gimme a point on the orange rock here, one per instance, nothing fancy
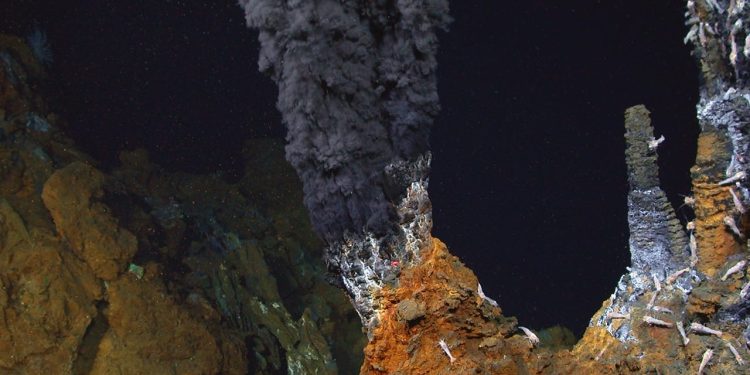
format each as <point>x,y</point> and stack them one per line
<point>445,307</point>
<point>71,196</point>
<point>46,299</point>
<point>150,334</point>
<point>715,242</point>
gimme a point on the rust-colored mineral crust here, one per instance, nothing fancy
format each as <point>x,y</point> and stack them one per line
<point>71,195</point>
<point>149,333</point>
<point>46,299</point>
<point>437,300</point>
<point>715,242</point>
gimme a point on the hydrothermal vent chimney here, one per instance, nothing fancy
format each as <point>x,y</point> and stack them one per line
<point>358,94</point>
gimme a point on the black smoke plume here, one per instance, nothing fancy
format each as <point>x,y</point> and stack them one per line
<point>357,92</point>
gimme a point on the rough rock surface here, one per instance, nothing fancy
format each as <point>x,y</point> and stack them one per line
<point>155,338</point>
<point>475,331</point>
<point>47,298</point>
<point>70,194</point>
<point>144,271</point>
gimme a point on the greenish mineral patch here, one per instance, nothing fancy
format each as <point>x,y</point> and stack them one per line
<point>136,270</point>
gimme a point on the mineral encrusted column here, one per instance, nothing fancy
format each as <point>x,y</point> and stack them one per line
<point>720,33</point>
<point>696,317</point>
<point>706,289</point>
<point>358,94</point>
<point>658,244</point>
<point>667,315</point>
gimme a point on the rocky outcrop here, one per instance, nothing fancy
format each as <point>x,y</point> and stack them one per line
<point>70,194</point>
<point>47,298</point>
<point>436,300</point>
<point>144,271</point>
<point>144,330</point>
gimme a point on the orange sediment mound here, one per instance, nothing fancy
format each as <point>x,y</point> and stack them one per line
<point>436,300</point>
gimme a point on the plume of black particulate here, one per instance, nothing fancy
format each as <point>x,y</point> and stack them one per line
<point>357,92</point>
